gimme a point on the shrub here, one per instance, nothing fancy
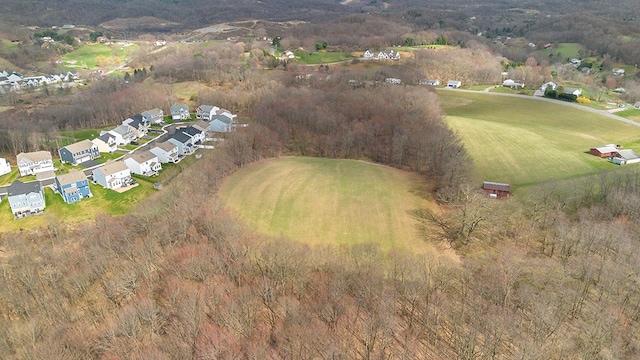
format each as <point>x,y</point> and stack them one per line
<point>583,100</point>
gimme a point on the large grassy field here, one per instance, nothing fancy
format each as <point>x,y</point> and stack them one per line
<point>321,57</point>
<point>328,201</point>
<point>97,55</point>
<point>525,141</point>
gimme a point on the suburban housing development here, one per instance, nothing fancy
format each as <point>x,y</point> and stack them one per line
<point>175,141</point>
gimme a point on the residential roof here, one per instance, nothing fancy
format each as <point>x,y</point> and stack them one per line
<point>200,125</point>
<point>112,167</point>
<point>489,185</point>
<point>154,112</point>
<point>105,137</point>
<point>191,131</point>
<point>177,109</point>
<point>34,156</point>
<point>208,108</point>
<point>122,129</point>
<point>181,137</point>
<point>19,188</point>
<point>79,146</point>
<point>142,156</point>
<point>72,177</point>
<point>221,118</point>
<point>166,146</point>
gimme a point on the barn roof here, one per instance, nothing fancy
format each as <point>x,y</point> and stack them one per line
<point>489,185</point>
<point>607,149</point>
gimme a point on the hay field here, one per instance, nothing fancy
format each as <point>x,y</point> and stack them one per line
<point>328,201</point>
<point>524,141</point>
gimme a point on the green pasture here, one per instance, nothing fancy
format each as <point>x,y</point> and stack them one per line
<point>567,50</point>
<point>321,57</point>
<point>92,56</point>
<point>328,201</point>
<point>103,202</point>
<point>526,141</point>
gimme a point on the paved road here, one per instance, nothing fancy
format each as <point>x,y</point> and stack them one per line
<point>565,103</point>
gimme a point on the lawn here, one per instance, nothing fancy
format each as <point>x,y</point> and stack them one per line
<point>321,57</point>
<point>525,141</point>
<point>567,50</point>
<point>103,201</point>
<point>328,201</point>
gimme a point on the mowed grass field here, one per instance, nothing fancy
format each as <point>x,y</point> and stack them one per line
<point>526,141</point>
<point>328,201</point>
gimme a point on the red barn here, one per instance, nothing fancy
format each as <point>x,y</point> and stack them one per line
<point>604,151</point>
<point>498,189</point>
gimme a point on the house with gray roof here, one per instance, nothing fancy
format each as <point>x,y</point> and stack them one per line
<point>79,152</point>
<point>73,186</point>
<point>205,112</point>
<point>139,124</point>
<point>112,175</point>
<point>167,152</point>
<point>25,199</point>
<point>124,134</point>
<point>106,143</point>
<point>222,123</point>
<point>36,162</point>
<point>143,163</point>
<point>180,112</point>
<point>153,116</point>
<point>184,143</point>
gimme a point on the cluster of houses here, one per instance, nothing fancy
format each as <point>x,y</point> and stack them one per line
<point>14,81</point>
<point>382,55</point>
<point>27,199</point>
<point>553,86</point>
<point>617,155</point>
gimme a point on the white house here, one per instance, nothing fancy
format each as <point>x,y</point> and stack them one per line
<point>618,72</point>
<point>573,91</point>
<point>393,81</point>
<point>184,143</point>
<point>25,199</point>
<point>143,163</point>
<point>198,134</point>
<point>5,167</point>
<point>454,84</point>
<point>112,175</point>
<point>106,143</point>
<point>429,82</point>
<point>124,134</point>
<point>34,162</point>
<point>206,112</point>
<point>167,152</point>
<point>139,124</point>
<point>512,84</point>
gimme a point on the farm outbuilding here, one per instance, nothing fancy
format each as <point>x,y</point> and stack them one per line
<point>624,157</point>
<point>604,151</point>
<point>495,188</point>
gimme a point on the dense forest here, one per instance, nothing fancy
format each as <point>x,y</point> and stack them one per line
<point>549,274</point>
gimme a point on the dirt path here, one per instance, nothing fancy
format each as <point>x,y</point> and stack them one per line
<point>577,106</point>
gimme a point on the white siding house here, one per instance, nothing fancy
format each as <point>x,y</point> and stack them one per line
<point>112,175</point>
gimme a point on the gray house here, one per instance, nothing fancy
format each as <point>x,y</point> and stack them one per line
<point>79,152</point>
<point>180,112</point>
<point>153,116</point>
<point>222,123</point>
<point>25,199</point>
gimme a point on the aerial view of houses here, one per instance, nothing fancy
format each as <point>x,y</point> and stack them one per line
<point>25,199</point>
<point>36,162</point>
<point>174,142</point>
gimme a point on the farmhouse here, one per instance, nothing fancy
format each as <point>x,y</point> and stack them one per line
<point>73,186</point>
<point>604,151</point>
<point>106,143</point>
<point>454,84</point>
<point>512,84</point>
<point>79,152</point>
<point>25,199</point>
<point>573,91</point>
<point>112,175</point>
<point>5,167</point>
<point>497,189</point>
<point>143,163</point>
<point>180,112</point>
<point>34,162</point>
